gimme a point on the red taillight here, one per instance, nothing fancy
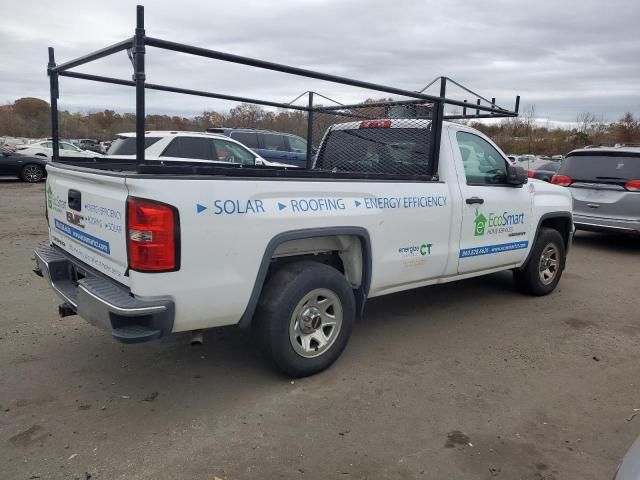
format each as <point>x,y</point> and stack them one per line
<point>531,174</point>
<point>152,236</point>
<point>561,180</point>
<point>633,185</point>
<point>375,124</point>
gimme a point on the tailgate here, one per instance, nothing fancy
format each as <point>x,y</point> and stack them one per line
<point>87,214</point>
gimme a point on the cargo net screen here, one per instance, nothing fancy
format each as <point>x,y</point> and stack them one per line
<point>381,138</point>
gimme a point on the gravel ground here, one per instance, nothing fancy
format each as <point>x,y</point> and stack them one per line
<point>468,380</point>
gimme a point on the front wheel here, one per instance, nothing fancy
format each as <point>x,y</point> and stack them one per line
<point>544,268</point>
<point>304,317</point>
<point>32,173</point>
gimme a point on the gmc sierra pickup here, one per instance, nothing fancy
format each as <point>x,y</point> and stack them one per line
<point>143,256</point>
<point>201,235</point>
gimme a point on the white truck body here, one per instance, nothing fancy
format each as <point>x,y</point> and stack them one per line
<point>420,233</point>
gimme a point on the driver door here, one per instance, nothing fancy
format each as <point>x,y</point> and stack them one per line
<point>496,216</point>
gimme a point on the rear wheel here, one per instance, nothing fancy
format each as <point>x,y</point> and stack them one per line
<point>544,268</point>
<point>304,317</point>
<point>32,173</point>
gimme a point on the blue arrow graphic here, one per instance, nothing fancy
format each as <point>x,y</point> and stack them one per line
<point>357,203</point>
<point>281,206</point>
<point>200,208</point>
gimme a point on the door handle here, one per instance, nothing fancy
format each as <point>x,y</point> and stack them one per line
<point>472,200</point>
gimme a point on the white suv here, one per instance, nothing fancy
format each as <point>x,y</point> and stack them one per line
<point>191,146</point>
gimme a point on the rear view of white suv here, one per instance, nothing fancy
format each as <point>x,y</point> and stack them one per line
<point>178,146</point>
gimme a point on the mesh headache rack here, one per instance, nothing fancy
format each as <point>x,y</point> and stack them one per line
<point>390,138</point>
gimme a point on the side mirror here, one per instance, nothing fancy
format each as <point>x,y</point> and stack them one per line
<point>259,161</point>
<point>516,175</point>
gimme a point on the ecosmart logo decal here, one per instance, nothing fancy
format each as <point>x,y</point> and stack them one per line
<point>54,201</point>
<point>496,223</point>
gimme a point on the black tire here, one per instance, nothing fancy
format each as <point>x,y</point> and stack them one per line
<point>32,173</point>
<point>531,279</point>
<point>274,321</point>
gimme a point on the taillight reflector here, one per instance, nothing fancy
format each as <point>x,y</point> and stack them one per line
<point>531,174</point>
<point>152,236</point>
<point>633,185</point>
<point>561,180</point>
<point>375,124</point>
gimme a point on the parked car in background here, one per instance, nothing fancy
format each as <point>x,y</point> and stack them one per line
<point>605,185</point>
<point>270,145</point>
<point>544,169</point>
<point>90,144</point>
<point>30,169</point>
<point>45,149</point>
<point>191,146</point>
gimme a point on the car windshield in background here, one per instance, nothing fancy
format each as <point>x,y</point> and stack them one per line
<point>391,151</point>
<point>600,166</point>
<point>550,166</point>
<point>127,145</point>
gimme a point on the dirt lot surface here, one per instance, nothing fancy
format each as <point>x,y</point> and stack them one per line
<point>463,381</point>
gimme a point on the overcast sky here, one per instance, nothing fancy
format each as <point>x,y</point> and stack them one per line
<point>564,57</point>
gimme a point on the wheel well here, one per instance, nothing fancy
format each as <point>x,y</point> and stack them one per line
<point>347,249</point>
<point>562,225</point>
<point>342,252</point>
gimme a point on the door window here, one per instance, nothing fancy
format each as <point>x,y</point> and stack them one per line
<point>197,148</point>
<point>483,164</point>
<point>250,139</point>
<point>273,142</point>
<point>297,145</point>
<point>68,146</point>
<point>232,152</point>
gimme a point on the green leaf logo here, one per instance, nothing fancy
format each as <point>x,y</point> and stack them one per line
<point>49,196</point>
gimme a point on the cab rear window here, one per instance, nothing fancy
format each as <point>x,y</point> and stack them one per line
<point>388,151</point>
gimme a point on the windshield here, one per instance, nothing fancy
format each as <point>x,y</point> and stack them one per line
<point>127,145</point>
<point>395,151</point>
<point>601,166</point>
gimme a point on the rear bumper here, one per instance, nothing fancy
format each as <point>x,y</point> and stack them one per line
<point>101,301</point>
<point>602,224</point>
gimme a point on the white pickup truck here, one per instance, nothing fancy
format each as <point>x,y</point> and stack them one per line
<point>146,255</point>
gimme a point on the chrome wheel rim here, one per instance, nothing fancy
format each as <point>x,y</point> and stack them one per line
<point>32,173</point>
<point>549,264</point>
<point>315,323</point>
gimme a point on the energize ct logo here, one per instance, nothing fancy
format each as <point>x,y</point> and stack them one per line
<point>494,224</point>
<point>416,250</point>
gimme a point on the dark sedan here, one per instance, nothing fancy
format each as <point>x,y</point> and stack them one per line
<point>544,171</point>
<point>29,169</point>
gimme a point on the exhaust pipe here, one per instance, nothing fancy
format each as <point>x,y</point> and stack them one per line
<point>196,338</point>
<point>66,310</point>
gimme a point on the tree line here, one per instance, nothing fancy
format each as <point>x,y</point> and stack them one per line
<point>30,117</point>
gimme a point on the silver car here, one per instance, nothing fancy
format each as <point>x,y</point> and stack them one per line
<point>605,185</point>
<point>629,469</point>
